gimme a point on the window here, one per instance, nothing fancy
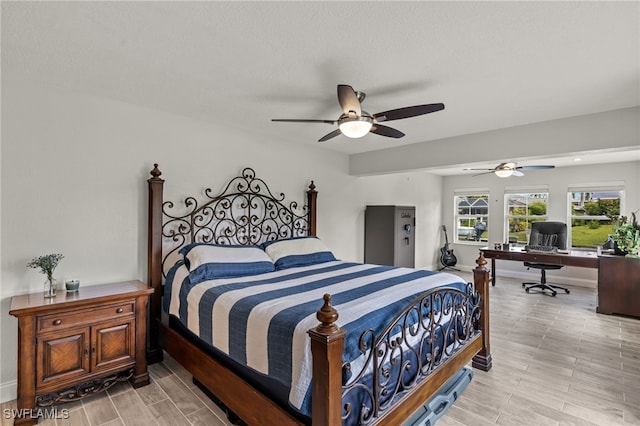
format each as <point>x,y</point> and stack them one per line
<point>593,211</point>
<point>472,216</point>
<point>524,208</point>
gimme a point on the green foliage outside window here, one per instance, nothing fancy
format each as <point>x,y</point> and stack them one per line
<point>522,210</point>
<point>593,216</point>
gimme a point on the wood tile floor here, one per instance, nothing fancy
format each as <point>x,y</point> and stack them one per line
<point>555,362</point>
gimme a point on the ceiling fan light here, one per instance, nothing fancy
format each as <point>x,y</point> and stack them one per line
<point>356,128</point>
<point>503,173</point>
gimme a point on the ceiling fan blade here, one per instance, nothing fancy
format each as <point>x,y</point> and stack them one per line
<point>534,167</point>
<point>296,120</point>
<point>517,173</point>
<point>348,99</point>
<point>381,130</point>
<point>486,170</point>
<point>328,136</point>
<point>406,112</point>
<point>485,173</point>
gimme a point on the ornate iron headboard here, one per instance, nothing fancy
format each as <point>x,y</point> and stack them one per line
<point>245,212</point>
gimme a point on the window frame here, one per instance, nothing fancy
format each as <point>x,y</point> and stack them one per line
<point>525,192</point>
<point>599,187</point>
<point>480,193</point>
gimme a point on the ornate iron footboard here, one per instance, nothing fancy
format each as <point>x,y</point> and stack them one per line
<point>415,343</point>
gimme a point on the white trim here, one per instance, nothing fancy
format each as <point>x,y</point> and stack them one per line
<point>471,243</point>
<point>596,186</point>
<point>8,391</point>
<point>526,189</point>
<point>470,191</point>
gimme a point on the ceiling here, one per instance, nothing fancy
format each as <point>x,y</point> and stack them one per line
<point>240,64</point>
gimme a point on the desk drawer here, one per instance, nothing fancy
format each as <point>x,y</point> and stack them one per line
<point>85,316</point>
<point>504,256</point>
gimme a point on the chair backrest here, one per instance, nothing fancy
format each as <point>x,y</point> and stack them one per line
<point>549,234</point>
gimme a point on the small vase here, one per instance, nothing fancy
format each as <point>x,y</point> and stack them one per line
<point>50,287</point>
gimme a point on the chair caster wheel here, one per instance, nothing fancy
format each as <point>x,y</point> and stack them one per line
<point>568,292</point>
<point>523,285</point>
<point>553,293</point>
<point>527,290</point>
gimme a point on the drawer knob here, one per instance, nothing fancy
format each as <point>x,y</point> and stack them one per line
<point>57,322</point>
<point>119,310</point>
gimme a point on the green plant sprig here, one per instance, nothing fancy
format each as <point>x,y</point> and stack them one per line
<point>46,263</point>
<point>626,234</point>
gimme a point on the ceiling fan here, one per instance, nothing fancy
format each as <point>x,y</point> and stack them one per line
<point>356,123</point>
<point>510,169</point>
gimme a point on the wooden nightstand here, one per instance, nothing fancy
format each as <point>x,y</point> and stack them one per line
<point>74,344</point>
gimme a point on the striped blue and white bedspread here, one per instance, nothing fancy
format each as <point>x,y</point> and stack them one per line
<point>261,321</point>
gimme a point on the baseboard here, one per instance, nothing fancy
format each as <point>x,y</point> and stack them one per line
<point>8,391</point>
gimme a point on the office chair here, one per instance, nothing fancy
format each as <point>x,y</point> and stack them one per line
<point>546,234</point>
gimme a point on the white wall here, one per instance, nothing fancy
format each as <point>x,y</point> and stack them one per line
<point>74,170</point>
<point>419,189</point>
<point>558,181</point>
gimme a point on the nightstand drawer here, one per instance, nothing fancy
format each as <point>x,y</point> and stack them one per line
<point>85,316</point>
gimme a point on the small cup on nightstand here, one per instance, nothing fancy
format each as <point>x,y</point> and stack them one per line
<point>72,284</point>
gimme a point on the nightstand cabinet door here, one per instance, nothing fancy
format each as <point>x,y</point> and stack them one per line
<point>62,357</point>
<point>113,344</point>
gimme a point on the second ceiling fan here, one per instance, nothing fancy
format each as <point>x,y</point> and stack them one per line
<point>509,169</point>
<point>356,123</point>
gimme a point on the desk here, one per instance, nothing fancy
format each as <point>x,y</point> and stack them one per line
<point>583,259</point>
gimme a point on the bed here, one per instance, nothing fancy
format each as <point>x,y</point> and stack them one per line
<point>252,303</point>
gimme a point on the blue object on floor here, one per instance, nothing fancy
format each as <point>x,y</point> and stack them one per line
<point>433,409</point>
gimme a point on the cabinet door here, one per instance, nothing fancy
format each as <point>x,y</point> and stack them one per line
<point>62,356</point>
<point>405,238</point>
<point>113,344</point>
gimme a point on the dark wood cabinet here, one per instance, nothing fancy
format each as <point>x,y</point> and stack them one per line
<point>389,237</point>
<point>619,285</point>
<point>78,343</point>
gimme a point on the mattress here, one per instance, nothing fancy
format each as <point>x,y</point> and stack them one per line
<point>260,322</point>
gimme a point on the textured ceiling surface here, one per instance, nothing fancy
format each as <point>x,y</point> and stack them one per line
<point>493,64</point>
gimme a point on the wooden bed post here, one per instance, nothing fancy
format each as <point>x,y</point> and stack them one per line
<point>327,345</point>
<point>312,196</point>
<point>482,360</point>
<point>154,256</point>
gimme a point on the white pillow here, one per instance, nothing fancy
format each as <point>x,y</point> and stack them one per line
<point>210,261</point>
<point>300,251</point>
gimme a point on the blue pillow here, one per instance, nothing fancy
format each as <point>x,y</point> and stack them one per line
<point>210,261</point>
<point>299,251</point>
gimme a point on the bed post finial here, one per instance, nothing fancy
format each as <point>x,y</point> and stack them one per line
<point>155,173</point>
<point>481,261</point>
<point>327,315</point>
